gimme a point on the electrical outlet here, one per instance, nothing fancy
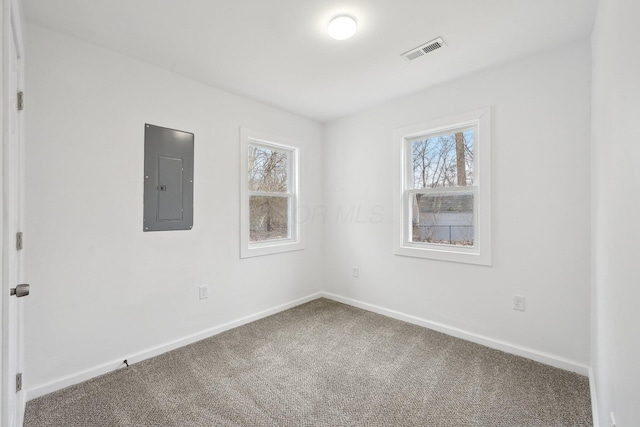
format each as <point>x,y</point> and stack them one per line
<point>519,302</point>
<point>355,272</point>
<point>613,420</point>
<point>203,291</point>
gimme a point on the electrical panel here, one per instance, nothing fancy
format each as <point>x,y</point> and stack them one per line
<point>168,179</point>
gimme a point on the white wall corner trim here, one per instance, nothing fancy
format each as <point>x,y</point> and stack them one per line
<point>87,374</point>
<point>538,356</point>
<point>594,399</point>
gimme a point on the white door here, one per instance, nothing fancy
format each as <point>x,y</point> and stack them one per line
<point>12,396</point>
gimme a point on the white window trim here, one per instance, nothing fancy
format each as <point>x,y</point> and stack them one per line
<point>480,253</point>
<point>295,241</point>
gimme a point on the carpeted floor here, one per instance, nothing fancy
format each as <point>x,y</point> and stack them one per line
<point>324,364</point>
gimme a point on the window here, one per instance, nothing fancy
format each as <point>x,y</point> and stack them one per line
<point>269,195</point>
<point>444,191</point>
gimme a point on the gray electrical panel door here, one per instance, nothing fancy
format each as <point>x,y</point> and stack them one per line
<point>168,179</point>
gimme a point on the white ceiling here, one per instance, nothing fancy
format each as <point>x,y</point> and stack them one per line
<point>278,51</point>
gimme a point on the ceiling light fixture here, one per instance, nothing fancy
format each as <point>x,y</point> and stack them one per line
<point>342,27</point>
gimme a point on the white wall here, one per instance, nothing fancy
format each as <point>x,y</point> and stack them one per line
<point>541,208</point>
<point>103,289</point>
<point>616,204</point>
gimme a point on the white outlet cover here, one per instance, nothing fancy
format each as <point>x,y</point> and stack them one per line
<point>203,291</point>
<point>519,302</point>
<point>356,272</point>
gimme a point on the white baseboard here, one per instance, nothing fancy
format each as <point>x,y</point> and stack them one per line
<point>594,400</point>
<point>66,381</point>
<point>22,407</point>
<point>548,359</point>
<point>538,356</point>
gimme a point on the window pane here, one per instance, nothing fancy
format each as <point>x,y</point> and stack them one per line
<point>268,169</point>
<point>443,218</point>
<point>268,218</point>
<point>443,161</point>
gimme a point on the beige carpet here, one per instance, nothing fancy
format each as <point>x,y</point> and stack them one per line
<point>324,364</point>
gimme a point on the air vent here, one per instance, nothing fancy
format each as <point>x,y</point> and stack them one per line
<point>424,49</point>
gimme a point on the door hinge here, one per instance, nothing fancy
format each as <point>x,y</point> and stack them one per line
<point>19,243</point>
<point>20,101</point>
<point>19,381</point>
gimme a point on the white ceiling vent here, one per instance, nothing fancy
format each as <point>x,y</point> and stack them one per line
<point>424,49</point>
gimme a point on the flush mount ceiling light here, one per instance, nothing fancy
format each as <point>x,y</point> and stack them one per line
<point>342,27</point>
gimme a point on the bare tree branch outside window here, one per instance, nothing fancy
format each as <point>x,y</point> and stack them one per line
<point>439,162</point>
<point>269,202</point>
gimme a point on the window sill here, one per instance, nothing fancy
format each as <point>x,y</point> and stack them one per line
<point>270,248</point>
<point>449,253</point>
